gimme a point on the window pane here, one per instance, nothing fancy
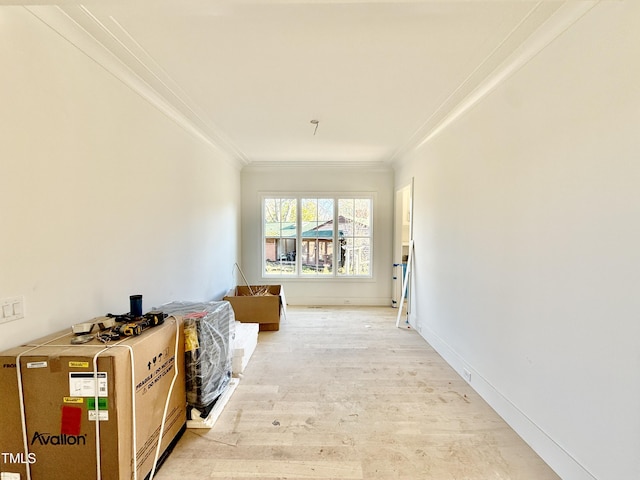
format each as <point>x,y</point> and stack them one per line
<point>317,236</point>
<point>317,256</point>
<point>362,222</point>
<point>356,257</point>
<point>354,232</point>
<point>346,208</point>
<point>325,209</point>
<point>280,236</point>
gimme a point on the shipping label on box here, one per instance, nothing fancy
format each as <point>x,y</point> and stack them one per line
<point>83,384</point>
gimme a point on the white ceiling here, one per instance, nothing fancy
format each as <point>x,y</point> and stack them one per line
<point>250,76</point>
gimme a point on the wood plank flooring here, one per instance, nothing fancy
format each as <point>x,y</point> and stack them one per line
<point>340,393</point>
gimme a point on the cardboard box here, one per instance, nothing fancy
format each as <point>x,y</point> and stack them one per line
<point>263,307</point>
<point>59,386</point>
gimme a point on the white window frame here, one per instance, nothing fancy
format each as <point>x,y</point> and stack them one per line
<point>334,275</point>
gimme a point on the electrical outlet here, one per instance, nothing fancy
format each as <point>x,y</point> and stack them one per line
<point>467,375</point>
<point>11,309</point>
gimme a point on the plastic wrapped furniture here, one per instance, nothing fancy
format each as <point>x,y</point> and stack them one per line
<point>209,331</point>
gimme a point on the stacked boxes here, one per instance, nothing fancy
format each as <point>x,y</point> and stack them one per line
<point>60,390</point>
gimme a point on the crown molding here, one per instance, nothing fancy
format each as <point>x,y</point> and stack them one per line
<point>371,166</point>
<point>545,22</point>
<point>109,45</point>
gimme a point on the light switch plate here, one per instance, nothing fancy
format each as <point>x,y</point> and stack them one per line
<point>11,309</point>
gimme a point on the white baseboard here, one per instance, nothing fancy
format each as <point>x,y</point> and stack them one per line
<point>549,450</point>
<point>338,301</point>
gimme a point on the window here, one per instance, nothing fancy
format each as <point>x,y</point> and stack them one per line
<point>317,236</point>
<point>354,215</point>
<point>281,235</point>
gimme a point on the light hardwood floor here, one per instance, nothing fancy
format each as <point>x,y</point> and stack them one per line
<point>340,393</point>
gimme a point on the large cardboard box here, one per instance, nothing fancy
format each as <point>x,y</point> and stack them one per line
<point>264,306</point>
<point>63,425</point>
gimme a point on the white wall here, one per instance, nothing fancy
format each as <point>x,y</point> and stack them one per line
<point>101,195</point>
<point>257,180</point>
<point>527,231</point>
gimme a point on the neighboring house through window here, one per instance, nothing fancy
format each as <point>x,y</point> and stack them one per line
<point>317,236</point>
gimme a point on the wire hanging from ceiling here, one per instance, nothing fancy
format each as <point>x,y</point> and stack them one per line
<point>316,123</point>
